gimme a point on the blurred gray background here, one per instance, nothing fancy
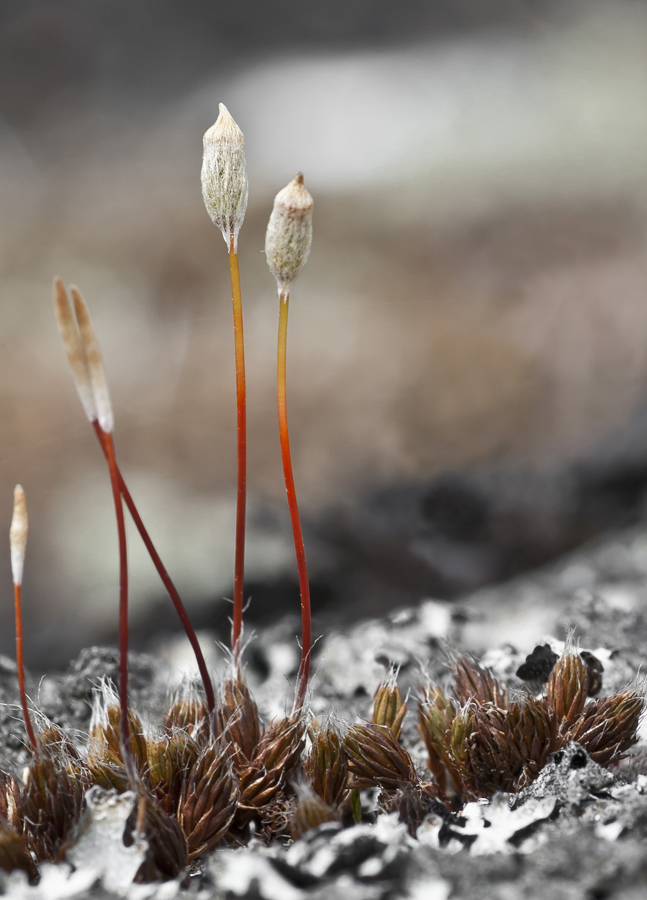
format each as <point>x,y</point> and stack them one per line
<point>468,343</point>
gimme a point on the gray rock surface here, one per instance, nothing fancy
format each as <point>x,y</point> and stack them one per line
<point>578,832</point>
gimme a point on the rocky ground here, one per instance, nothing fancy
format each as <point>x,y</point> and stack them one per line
<point>579,831</point>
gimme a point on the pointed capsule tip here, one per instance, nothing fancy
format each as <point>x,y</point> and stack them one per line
<point>58,288</point>
<point>224,128</point>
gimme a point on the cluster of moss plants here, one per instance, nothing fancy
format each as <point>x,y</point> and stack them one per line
<point>481,741</point>
<point>212,772</point>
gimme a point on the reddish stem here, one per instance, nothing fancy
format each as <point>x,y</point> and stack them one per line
<point>126,749</point>
<point>21,671</point>
<point>304,587</point>
<point>166,579</point>
<point>241,423</point>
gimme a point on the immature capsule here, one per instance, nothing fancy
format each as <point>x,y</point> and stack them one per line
<point>69,330</point>
<point>84,355</point>
<point>224,175</point>
<point>289,233</point>
<point>18,534</point>
<point>98,381</point>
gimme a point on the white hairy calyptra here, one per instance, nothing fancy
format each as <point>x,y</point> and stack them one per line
<point>289,233</point>
<point>224,175</point>
<point>18,534</point>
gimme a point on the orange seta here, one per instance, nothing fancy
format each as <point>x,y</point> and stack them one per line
<point>241,431</point>
<point>304,587</point>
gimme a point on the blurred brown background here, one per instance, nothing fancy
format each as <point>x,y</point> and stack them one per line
<point>468,343</point>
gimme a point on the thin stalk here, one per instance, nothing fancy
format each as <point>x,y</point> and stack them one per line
<point>21,671</point>
<point>165,577</point>
<point>126,749</point>
<point>241,422</point>
<point>304,587</point>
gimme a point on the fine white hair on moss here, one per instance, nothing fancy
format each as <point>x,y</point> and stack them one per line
<point>187,691</point>
<point>94,359</point>
<point>104,696</point>
<point>390,679</point>
<point>571,644</point>
<point>289,233</point>
<point>18,534</point>
<point>224,175</point>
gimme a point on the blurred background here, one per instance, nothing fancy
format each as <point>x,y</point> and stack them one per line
<point>468,342</point>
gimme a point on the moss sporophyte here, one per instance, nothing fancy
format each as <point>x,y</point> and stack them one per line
<point>214,772</point>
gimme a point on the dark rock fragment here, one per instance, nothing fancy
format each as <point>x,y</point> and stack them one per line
<point>538,664</point>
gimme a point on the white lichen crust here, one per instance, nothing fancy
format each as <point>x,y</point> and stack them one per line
<point>224,175</point>
<point>289,233</point>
